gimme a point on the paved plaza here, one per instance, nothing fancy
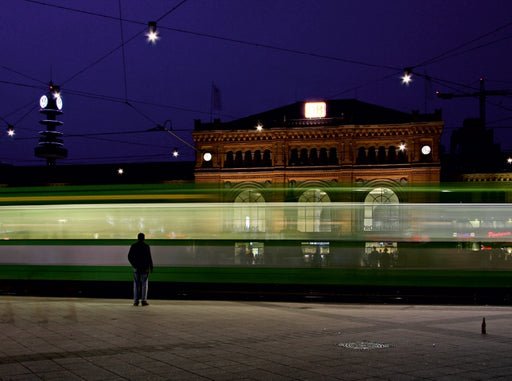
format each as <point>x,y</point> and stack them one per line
<point>110,339</point>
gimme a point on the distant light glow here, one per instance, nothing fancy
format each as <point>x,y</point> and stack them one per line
<point>10,132</point>
<point>175,153</point>
<point>315,110</point>
<point>207,156</point>
<point>509,160</point>
<point>120,171</point>
<point>152,33</point>
<point>259,127</point>
<point>402,147</point>
<point>407,78</point>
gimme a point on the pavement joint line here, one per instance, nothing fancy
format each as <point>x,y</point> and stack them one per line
<point>149,348</point>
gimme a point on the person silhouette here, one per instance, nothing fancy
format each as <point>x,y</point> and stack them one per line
<point>139,257</point>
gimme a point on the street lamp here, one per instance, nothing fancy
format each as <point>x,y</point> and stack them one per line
<point>152,33</point>
<point>10,130</point>
<point>407,77</point>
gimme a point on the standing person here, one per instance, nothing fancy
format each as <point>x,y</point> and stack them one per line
<point>142,263</point>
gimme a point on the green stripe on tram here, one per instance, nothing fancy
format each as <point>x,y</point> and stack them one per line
<point>268,275</point>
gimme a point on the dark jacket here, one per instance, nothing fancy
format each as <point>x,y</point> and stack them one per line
<point>140,256</point>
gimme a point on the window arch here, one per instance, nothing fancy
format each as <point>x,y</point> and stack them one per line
<point>314,217</point>
<point>294,157</point>
<point>382,154</point>
<point>333,156</point>
<point>230,160</point>
<point>381,212</point>
<point>372,155</point>
<point>323,156</point>
<point>361,155</point>
<point>247,217</point>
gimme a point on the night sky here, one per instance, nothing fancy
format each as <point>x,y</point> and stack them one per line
<point>260,55</point>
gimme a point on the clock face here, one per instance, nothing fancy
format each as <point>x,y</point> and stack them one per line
<point>59,103</point>
<point>43,101</point>
<point>425,150</point>
<point>207,156</point>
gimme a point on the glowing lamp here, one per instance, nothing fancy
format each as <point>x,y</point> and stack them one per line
<point>407,77</point>
<point>152,33</point>
<point>10,131</point>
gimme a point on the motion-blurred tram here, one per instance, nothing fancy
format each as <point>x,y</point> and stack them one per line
<point>69,236</point>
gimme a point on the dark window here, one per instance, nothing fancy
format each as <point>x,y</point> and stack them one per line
<point>303,160</point>
<point>323,156</point>
<point>248,159</point>
<point>230,160</point>
<point>392,154</point>
<point>313,156</point>
<point>294,157</point>
<point>267,162</point>
<point>372,155</point>
<point>257,158</point>
<point>239,160</point>
<point>361,156</point>
<point>333,156</point>
<point>382,154</point>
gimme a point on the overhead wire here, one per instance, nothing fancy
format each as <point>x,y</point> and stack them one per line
<point>222,38</point>
<point>445,55</point>
<point>439,56</point>
<point>124,55</point>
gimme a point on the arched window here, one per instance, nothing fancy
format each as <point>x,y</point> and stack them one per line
<point>392,154</point>
<point>372,156</point>
<point>402,156</point>
<point>313,156</point>
<point>361,156</point>
<point>247,216</point>
<point>294,157</point>
<point>303,159</point>
<point>267,161</point>
<point>333,156</point>
<point>230,160</point>
<point>239,160</point>
<point>248,159</point>
<point>382,155</point>
<point>257,158</point>
<point>312,215</point>
<point>323,156</point>
<point>381,211</point>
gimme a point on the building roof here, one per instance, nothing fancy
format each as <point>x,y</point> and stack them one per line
<point>344,111</point>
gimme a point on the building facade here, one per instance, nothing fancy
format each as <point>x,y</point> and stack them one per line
<point>316,153</point>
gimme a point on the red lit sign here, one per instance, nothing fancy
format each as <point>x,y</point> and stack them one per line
<point>499,234</point>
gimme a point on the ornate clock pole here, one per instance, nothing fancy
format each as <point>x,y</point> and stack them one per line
<point>50,143</point>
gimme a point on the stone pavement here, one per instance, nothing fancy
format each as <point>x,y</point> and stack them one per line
<point>110,339</point>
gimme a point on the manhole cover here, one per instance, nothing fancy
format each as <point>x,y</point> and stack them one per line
<point>364,345</point>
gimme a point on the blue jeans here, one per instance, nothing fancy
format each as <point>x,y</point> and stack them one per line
<point>140,285</point>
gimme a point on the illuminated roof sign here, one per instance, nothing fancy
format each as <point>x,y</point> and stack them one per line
<point>315,110</point>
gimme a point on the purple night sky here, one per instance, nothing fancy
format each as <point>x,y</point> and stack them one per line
<point>260,54</point>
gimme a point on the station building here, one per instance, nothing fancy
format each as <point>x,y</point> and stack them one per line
<point>317,153</point>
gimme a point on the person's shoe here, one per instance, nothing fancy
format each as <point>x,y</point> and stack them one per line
<point>135,304</point>
<point>145,303</point>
